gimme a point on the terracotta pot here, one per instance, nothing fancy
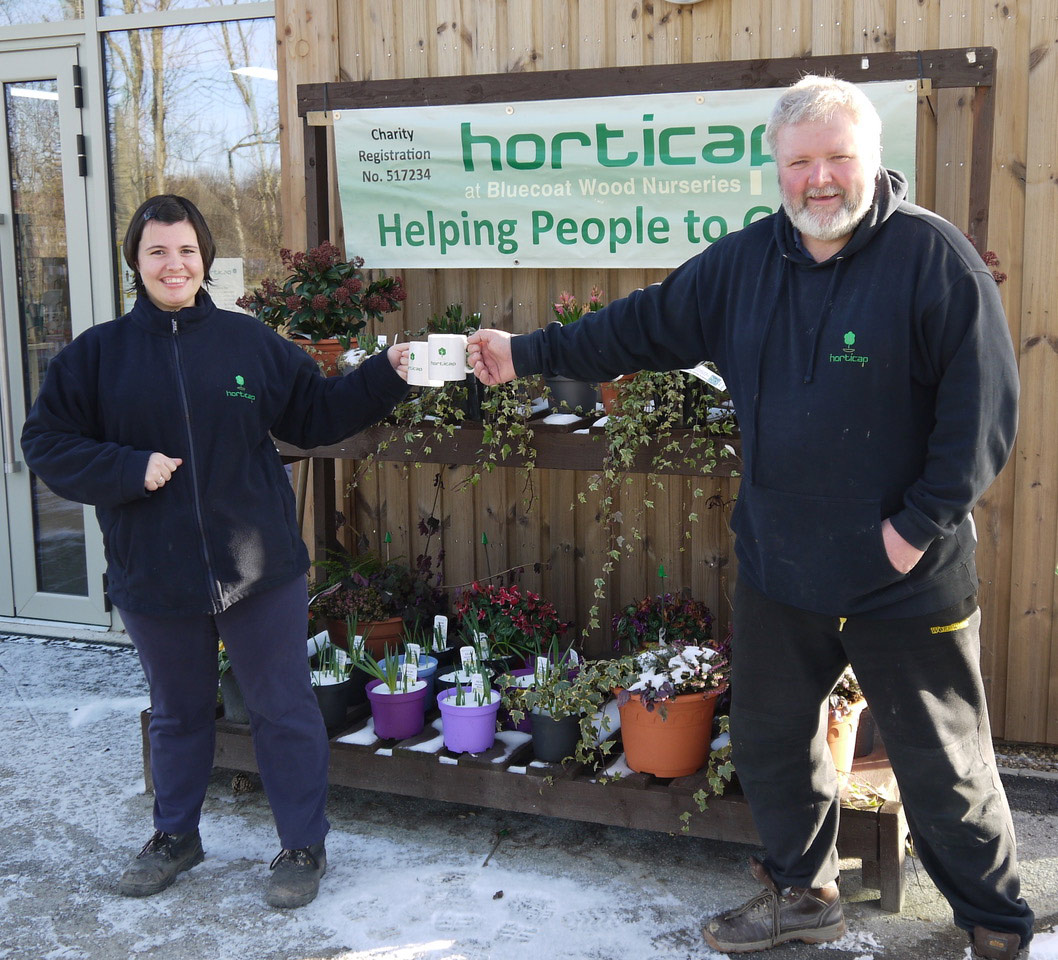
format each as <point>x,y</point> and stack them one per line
<point>841,736</point>
<point>377,634</point>
<point>610,393</point>
<point>675,746</point>
<point>325,353</point>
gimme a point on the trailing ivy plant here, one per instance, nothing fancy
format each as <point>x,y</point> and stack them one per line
<point>669,414</point>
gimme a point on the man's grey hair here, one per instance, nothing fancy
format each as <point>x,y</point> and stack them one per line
<point>817,99</point>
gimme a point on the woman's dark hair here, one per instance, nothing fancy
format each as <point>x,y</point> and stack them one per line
<point>167,208</point>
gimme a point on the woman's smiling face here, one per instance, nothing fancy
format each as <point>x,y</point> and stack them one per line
<point>170,264</point>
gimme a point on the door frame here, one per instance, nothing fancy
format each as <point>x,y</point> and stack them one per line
<point>24,601</point>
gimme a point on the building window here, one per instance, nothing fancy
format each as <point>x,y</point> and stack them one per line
<point>39,11</point>
<point>115,7</point>
<point>194,110</point>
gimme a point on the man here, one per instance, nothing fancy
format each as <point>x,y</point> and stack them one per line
<point>864,345</point>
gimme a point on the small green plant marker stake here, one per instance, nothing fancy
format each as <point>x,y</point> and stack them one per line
<point>661,576</point>
<point>485,544</point>
<point>387,540</point>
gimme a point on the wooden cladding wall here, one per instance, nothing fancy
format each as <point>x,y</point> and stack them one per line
<point>321,40</point>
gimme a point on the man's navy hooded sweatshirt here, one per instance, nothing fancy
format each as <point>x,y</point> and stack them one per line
<point>213,388</point>
<point>878,383</point>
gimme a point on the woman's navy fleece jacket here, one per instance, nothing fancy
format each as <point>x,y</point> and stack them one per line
<point>208,386</point>
<point>879,383</point>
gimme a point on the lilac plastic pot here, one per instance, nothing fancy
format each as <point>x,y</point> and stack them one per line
<point>397,715</point>
<point>468,729</point>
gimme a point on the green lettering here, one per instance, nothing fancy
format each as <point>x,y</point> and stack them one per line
<point>556,145</point>
<point>664,147</point>
<point>605,134</point>
<point>468,141</point>
<point>730,149</point>
<point>540,151</point>
<point>757,156</point>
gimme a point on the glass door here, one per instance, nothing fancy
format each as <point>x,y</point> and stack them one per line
<point>53,569</point>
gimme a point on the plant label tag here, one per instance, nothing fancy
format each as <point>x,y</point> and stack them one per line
<point>477,686</point>
<point>383,341</point>
<point>702,372</point>
<point>341,658</point>
<point>440,632</point>
<point>412,651</point>
<point>543,668</point>
<point>483,645</point>
<point>661,634</point>
<point>410,670</point>
<point>574,658</point>
<point>358,645</point>
<point>468,657</point>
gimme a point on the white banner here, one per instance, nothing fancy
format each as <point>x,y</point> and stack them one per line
<point>602,182</point>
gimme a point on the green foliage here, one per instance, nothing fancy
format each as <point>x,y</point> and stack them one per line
<point>453,320</point>
<point>389,669</point>
<point>323,296</point>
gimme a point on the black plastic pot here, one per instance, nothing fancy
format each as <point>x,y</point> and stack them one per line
<point>571,396</point>
<point>554,740</point>
<point>333,699</point>
<point>358,681</point>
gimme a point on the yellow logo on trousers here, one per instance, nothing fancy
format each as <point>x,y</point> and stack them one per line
<point>951,627</point>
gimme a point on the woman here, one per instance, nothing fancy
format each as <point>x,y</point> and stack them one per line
<point>163,420</point>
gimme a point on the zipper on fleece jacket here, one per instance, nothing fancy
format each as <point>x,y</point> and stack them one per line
<point>211,580</point>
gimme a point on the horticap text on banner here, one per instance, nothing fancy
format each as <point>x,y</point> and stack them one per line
<point>633,181</point>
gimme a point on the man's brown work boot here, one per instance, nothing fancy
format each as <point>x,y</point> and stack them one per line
<point>777,916</point>
<point>996,944</point>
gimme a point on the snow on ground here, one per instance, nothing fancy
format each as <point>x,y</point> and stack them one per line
<point>408,879</point>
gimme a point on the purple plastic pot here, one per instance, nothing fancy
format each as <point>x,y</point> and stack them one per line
<point>468,729</point>
<point>397,715</point>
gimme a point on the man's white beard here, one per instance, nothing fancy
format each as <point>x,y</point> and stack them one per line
<point>827,226</point>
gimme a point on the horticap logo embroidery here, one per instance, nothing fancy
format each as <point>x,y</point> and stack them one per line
<point>240,391</point>
<point>850,354</point>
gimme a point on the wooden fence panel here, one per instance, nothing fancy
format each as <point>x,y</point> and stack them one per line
<point>1017,519</point>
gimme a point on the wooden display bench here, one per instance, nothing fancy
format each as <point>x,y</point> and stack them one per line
<point>576,445</point>
<point>508,778</point>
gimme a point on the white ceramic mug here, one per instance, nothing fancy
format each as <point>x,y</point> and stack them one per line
<point>419,365</point>
<point>448,357</point>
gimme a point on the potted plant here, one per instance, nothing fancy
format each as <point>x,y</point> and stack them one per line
<point>387,597</point>
<point>666,706</point>
<point>843,717</point>
<point>396,694</point>
<point>468,715</point>
<point>519,624</point>
<point>363,602</point>
<point>573,396</point>
<point>331,682</point>
<point>561,700</point>
<point>426,668</point>
<point>325,300</point>
<point>662,618</point>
